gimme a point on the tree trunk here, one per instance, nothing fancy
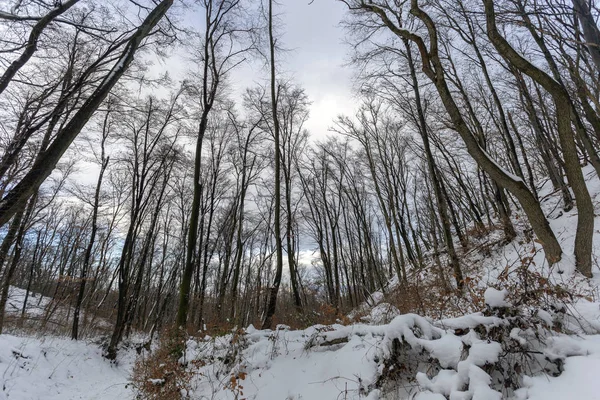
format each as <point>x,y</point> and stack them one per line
<point>88,251</point>
<point>562,103</point>
<point>274,289</point>
<point>45,164</point>
<point>442,205</point>
<point>433,68</point>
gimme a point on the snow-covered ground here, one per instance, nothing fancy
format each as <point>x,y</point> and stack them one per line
<point>578,381</point>
<point>54,317</point>
<point>35,307</point>
<point>387,356</point>
<point>346,362</point>
<point>55,368</point>
<point>60,369</point>
<point>322,362</point>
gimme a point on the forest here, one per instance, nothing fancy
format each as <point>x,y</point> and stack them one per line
<point>153,194</point>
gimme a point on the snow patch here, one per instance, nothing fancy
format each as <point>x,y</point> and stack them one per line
<point>496,298</point>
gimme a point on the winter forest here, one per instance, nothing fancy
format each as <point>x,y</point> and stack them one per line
<point>174,224</point>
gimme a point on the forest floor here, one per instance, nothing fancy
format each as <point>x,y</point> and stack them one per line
<point>522,330</point>
<point>53,367</point>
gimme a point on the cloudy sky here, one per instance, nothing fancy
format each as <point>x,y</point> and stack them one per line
<point>314,59</point>
<point>315,56</point>
<point>313,31</point>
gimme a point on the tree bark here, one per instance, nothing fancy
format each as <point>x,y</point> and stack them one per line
<point>590,30</point>
<point>442,205</point>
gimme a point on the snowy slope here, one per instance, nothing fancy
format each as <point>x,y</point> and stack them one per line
<point>578,381</point>
<point>60,369</point>
<point>348,362</point>
<point>36,305</point>
<point>548,348</point>
<point>55,317</point>
<point>337,362</point>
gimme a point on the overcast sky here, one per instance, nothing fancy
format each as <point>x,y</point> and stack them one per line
<point>315,59</point>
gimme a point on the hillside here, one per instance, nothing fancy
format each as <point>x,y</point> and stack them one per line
<point>533,337</point>
<point>307,199</point>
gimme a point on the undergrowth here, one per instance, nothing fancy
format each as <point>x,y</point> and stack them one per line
<point>160,374</point>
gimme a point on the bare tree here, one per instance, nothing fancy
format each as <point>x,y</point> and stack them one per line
<point>44,165</point>
<point>220,54</point>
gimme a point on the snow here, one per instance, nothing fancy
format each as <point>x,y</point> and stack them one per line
<point>442,384</point>
<point>119,66</point>
<point>36,305</point>
<point>447,349</point>
<point>449,356</point>
<point>320,362</point>
<point>495,298</point>
<point>506,172</point>
<point>381,314</point>
<point>346,361</point>
<point>40,308</point>
<point>479,385</point>
<point>481,352</point>
<point>429,396</point>
<point>469,321</point>
<point>578,381</point>
<point>280,367</point>
<point>338,361</point>
<point>60,369</point>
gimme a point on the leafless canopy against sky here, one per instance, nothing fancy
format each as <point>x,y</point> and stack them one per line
<point>313,33</point>
<point>314,59</point>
